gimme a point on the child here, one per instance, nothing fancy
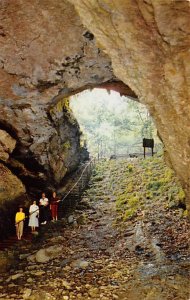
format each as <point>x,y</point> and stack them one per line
<point>19,222</point>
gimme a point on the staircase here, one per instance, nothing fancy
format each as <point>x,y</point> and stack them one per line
<point>73,195</point>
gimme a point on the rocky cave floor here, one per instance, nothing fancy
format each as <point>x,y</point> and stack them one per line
<point>106,249</point>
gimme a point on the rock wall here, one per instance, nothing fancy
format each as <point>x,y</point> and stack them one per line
<point>48,142</point>
<point>46,54</point>
<point>10,186</point>
<point>148,42</point>
<point>44,47</point>
<point>12,194</point>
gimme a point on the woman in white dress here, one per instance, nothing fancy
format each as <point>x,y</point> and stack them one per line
<point>33,215</point>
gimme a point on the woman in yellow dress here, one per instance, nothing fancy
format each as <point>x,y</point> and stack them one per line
<point>19,222</point>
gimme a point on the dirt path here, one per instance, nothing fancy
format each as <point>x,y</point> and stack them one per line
<point>94,257</point>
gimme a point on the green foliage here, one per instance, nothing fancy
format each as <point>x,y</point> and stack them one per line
<point>131,207</point>
<point>133,202</point>
<point>130,168</point>
<point>185,213</point>
<point>130,187</point>
<point>98,178</point>
<point>63,107</point>
<point>67,145</point>
<point>112,124</point>
<point>148,195</point>
<point>181,194</point>
<point>129,213</point>
<point>154,185</point>
<point>135,186</point>
<point>120,200</point>
<point>168,175</point>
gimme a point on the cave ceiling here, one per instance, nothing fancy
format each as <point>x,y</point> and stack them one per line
<point>46,55</point>
<point>45,50</point>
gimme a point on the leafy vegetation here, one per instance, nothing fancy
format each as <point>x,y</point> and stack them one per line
<point>112,124</point>
<point>136,186</point>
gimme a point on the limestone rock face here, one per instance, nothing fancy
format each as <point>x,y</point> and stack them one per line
<point>48,143</point>
<point>148,43</point>
<point>46,54</point>
<point>10,185</point>
<point>44,46</point>
<point>11,195</point>
<point>7,145</point>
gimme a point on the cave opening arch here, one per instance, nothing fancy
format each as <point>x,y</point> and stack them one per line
<point>112,124</point>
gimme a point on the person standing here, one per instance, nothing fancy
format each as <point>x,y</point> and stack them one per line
<point>19,223</point>
<point>33,215</point>
<point>54,206</point>
<point>44,209</point>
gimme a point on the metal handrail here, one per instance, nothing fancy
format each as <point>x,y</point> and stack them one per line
<point>93,159</point>
<point>77,180</point>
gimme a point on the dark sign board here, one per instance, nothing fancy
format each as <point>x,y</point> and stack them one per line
<point>148,143</point>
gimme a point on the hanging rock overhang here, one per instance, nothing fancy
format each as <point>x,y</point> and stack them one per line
<point>148,43</point>
<point>46,56</point>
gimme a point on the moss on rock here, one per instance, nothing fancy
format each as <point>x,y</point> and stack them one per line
<point>137,185</point>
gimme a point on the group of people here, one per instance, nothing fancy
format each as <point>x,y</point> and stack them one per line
<point>37,214</point>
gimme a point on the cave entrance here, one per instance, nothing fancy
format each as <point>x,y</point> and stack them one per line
<point>111,124</point>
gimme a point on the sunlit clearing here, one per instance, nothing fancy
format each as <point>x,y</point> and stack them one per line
<point>111,124</point>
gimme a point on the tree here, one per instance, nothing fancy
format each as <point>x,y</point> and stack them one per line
<point>111,123</point>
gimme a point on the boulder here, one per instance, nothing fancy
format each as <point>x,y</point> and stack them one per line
<point>6,261</point>
<point>80,263</point>
<point>7,145</point>
<point>71,219</point>
<point>27,293</point>
<point>11,186</point>
<point>39,295</point>
<point>46,254</point>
